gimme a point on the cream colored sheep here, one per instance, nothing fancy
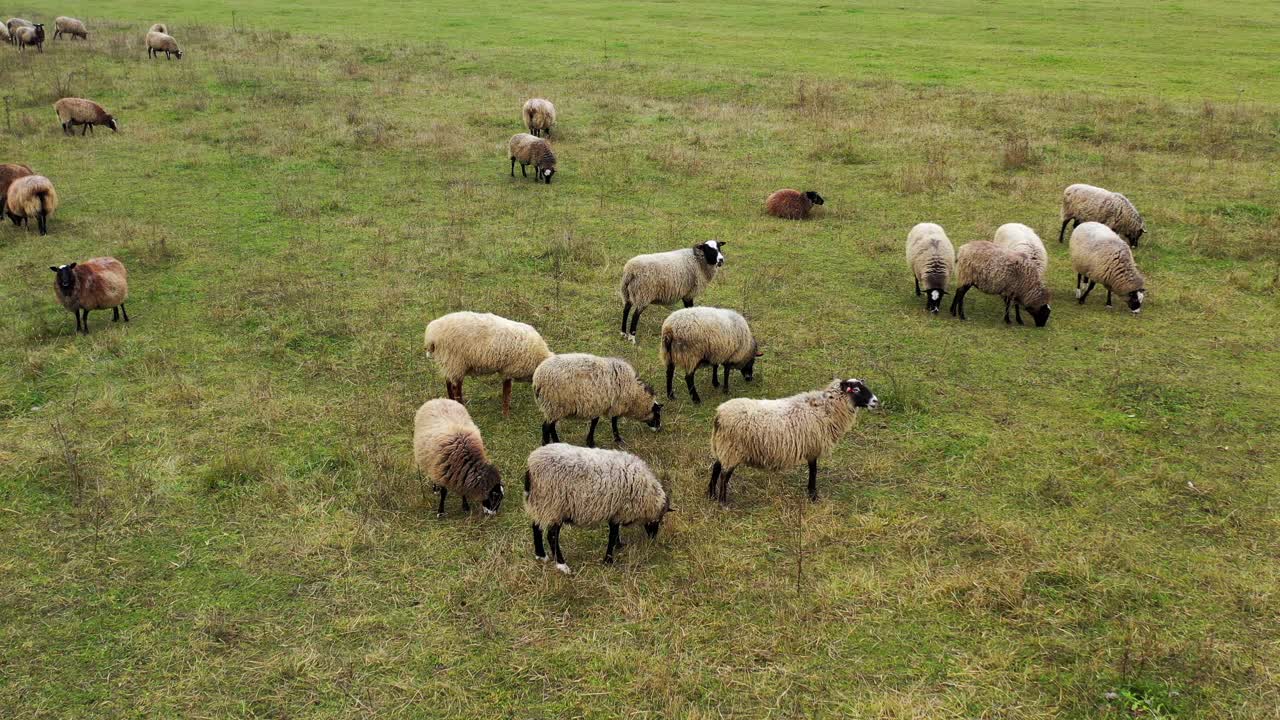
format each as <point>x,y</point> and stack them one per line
<point>158,42</point>
<point>468,343</point>
<point>69,26</point>
<point>539,116</point>
<point>663,278</point>
<point>699,336</point>
<point>1098,254</point>
<point>87,113</point>
<point>448,449</point>
<point>578,385</point>
<point>1014,276</point>
<point>29,197</point>
<point>931,258</point>
<point>1086,203</point>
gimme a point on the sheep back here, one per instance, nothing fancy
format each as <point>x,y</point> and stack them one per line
<point>788,204</point>
<point>81,111</point>
<point>1020,238</point>
<point>447,448</point>
<point>469,343</point>
<point>579,385</point>
<point>777,434</point>
<point>159,28</point>
<point>999,271</point>
<point>29,194</point>
<point>162,42</point>
<point>1098,253</point>
<point>100,283</point>
<point>539,115</point>
<point>697,335</point>
<point>591,486</point>
<point>1088,203</point>
<point>666,277</point>
<point>930,255</point>
<point>8,173</point>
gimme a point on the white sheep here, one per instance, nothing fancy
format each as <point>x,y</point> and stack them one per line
<point>1098,254</point>
<point>931,258</point>
<point>699,336</point>
<point>578,385</point>
<point>1014,276</point>
<point>539,116</point>
<point>158,42</point>
<point>1085,203</point>
<point>663,278</point>
<point>448,449</point>
<point>469,343</point>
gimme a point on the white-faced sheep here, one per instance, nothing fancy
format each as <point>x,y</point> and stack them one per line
<point>1085,203</point>
<point>663,278</point>
<point>1014,276</point>
<point>94,284</point>
<point>69,26</point>
<point>539,116</point>
<point>792,204</point>
<point>700,336</point>
<point>158,42</point>
<point>1098,254</point>
<point>529,150</point>
<point>932,259</point>
<point>578,385</point>
<point>468,343</point>
<point>778,434</point>
<point>78,111</point>
<point>585,487</point>
<point>159,28</point>
<point>29,197</point>
<point>33,35</point>
<point>448,449</point>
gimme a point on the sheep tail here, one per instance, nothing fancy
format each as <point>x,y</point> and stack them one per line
<point>526,484</point>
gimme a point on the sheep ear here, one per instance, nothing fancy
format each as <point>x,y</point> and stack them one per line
<point>53,268</point>
<point>72,266</point>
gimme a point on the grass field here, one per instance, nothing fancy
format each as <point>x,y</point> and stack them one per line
<point>212,511</point>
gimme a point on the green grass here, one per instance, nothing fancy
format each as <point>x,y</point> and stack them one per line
<point>212,511</point>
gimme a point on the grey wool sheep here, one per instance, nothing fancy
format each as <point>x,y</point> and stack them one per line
<point>69,26</point>
<point>1085,203</point>
<point>448,449</point>
<point>700,336</point>
<point>663,278</point>
<point>532,150</point>
<point>778,434</point>
<point>791,204</point>
<point>159,28</point>
<point>12,25</point>
<point>1098,254</point>
<point>468,343</point>
<point>158,42</point>
<point>33,35</point>
<point>1014,276</point>
<point>31,196</point>
<point>586,487</point>
<point>578,385</point>
<point>932,259</point>
<point>539,116</point>
<point>87,113</point>
<point>94,284</point>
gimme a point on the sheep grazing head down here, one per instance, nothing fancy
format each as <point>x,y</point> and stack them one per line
<point>859,394</point>
<point>749,370</point>
<point>814,197</point>
<point>493,501</point>
<point>111,123</point>
<point>711,252</point>
<point>66,278</point>
<point>547,173</point>
<point>1041,314</point>
<point>1135,300</point>
<point>935,301</point>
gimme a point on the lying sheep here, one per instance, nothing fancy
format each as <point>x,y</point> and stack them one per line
<point>532,150</point>
<point>95,284</point>
<point>33,35</point>
<point>792,204</point>
<point>700,336</point>
<point>1086,203</point>
<point>78,111</point>
<point>159,28</point>
<point>932,259</point>
<point>1098,254</point>
<point>663,278</point>
<point>69,26</point>
<point>159,42</point>
<point>585,487</point>
<point>1014,276</point>
<point>448,449</point>
<point>778,434</point>
<point>539,116</point>
<point>578,385</point>
<point>31,196</point>
<point>468,343</point>
<point>8,173</point>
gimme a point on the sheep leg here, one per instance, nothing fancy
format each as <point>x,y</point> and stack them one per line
<point>726,378</point>
<point>440,510</point>
<point>539,552</point>
<point>626,310</point>
<point>813,481</point>
<point>724,486</point>
<point>115,314</point>
<point>1017,312</point>
<point>124,312</point>
<point>613,543</point>
<point>1087,291</point>
<point>547,429</point>
<point>715,375</point>
<point>84,129</point>
<point>1062,232</point>
<point>77,312</point>
<point>617,438</point>
<point>513,166</point>
<point>1108,297</point>
<point>553,535</point>
<point>523,172</point>
<point>506,398</point>
<point>43,222</point>
<point>688,302</point>
<point>86,321</point>
<point>635,320</point>
<point>458,385</point>
<point>693,391</point>
<point>917,287</point>
<point>671,371</point>
<point>1007,300</point>
<point>958,300</point>
<point>591,433</point>
<point>466,506</point>
<point>715,479</point>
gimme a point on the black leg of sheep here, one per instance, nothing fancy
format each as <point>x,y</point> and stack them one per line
<point>86,321</point>
<point>1063,231</point>
<point>726,378</point>
<point>715,479</point>
<point>553,536</point>
<point>440,510</point>
<point>813,481</point>
<point>715,375</point>
<point>613,543</point>
<point>724,486</point>
<point>693,390</point>
<point>591,432</point>
<point>671,371</point>
<point>617,437</point>
<point>538,551</point>
<point>626,310</point>
<point>917,287</point>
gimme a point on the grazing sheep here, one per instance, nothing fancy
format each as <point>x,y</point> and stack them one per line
<point>539,116</point>
<point>159,28</point>
<point>1086,203</point>
<point>95,284</point>
<point>5,35</point>
<point>78,111</point>
<point>1020,238</point>
<point>792,204</point>
<point>448,449</point>
<point>1014,276</point>
<point>532,150</point>
<point>158,42</point>
<point>69,26</point>
<point>468,343</point>
<point>31,196</point>
<point>663,278</point>
<point>33,35</point>
<point>700,336</point>
<point>578,385</point>
<point>8,173</point>
<point>585,487</point>
<point>1098,254</point>
<point>932,258</point>
<point>778,434</point>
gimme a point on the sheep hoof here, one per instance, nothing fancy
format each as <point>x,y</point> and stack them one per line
<point>632,338</point>
<point>543,558</point>
<point>488,512</point>
<point>564,568</point>
<point>1078,293</point>
<point>1110,307</point>
<point>439,516</point>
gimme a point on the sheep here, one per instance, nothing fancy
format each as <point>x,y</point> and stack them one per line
<point>33,35</point>
<point>1084,203</point>
<point>778,434</point>
<point>578,385</point>
<point>468,343</point>
<point>159,28</point>
<point>159,42</point>
<point>1012,275</point>
<point>8,173</point>
<point>585,487</point>
<point>69,26</point>
<point>31,196</point>
<point>700,336</point>
<point>663,278</point>
<point>539,116</point>
<point>5,35</point>
<point>532,150</point>
<point>1020,238</point>
<point>447,448</point>
<point>78,111</point>
<point>12,25</point>
<point>1098,254</point>
<point>932,258</point>
<point>95,284</point>
<point>792,204</point>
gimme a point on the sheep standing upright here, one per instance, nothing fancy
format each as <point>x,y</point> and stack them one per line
<point>539,116</point>
<point>778,434</point>
<point>31,196</point>
<point>791,204</point>
<point>931,258</point>
<point>69,26</point>
<point>33,35</point>
<point>663,278</point>
<point>8,173</point>
<point>448,449</point>
<point>94,284</point>
<point>1086,203</point>
<point>159,42</point>
<point>1098,254</point>
<point>87,113</point>
<point>5,35</point>
<point>529,150</point>
<point>699,336</point>
<point>578,385</point>
<point>1014,276</point>
<point>468,343</point>
<point>585,487</point>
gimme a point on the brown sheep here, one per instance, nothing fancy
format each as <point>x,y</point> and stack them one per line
<point>8,173</point>
<point>158,42</point>
<point>94,284</point>
<point>792,204</point>
<point>529,150</point>
<point>33,35</point>
<point>78,111</point>
<point>31,196</point>
<point>69,26</point>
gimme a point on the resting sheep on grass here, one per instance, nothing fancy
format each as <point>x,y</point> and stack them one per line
<point>468,343</point>
<point>78,111</point>
<point>932,259</point>
<point>663,278</point>
<point>1098,254</point>
<point>1014,276</point>
<point>31,196</point>
<point>94,284</point>
<point>448,449</point>
<point>1086,203</point>
<point>69,26</point>
<point>700,336</point>
<point>578,385</point>
<point>792,204</point>
<point>33,35</point>
<point>529,150</point>
<point>539,117</point>
<point>585,487</point>
<point>158,42</point>
<point>778,434</point>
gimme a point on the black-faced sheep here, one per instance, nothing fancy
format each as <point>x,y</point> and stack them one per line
<point>78,111</point>
<point>69,26</point>
<point>94,284</point>
<point>1014,276</point>
<point>31,196</point>
<point>539,116</point>
<point>33,35</point>
<point>468,343</point>
<point>448,449</point>
<point>663,278</point>
<point>1085,203</point>
<point>12,24</point>
<point>791,204</point>
<point>931,258</point>
<point>1098,254</point>
<point>700,336</point>
<point>529,150</point>
<point>158,42</point>
<point>578,385</point>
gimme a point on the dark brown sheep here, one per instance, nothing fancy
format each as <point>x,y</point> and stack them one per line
<point>8,173</point>
<point>94,284</point>
<point>792,204</point>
